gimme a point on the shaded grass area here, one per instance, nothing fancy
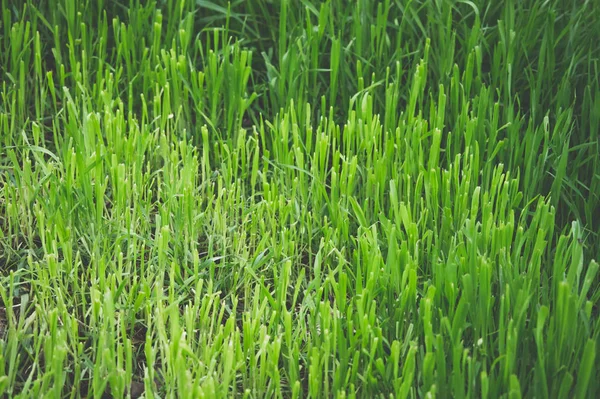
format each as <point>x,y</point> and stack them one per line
<point>299,199</point>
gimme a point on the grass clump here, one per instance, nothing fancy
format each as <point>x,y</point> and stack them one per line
<point>299,199</point>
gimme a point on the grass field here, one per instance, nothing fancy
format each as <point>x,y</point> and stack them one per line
<point>276,198</point>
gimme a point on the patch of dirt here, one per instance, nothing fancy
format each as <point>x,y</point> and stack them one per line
<point>3,323</point>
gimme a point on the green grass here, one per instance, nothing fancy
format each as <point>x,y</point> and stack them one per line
<point>299,199</point>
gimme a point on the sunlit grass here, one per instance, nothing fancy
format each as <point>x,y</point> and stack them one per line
<point>299,199</point>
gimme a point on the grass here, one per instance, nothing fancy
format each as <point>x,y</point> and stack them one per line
<point>299,199</point>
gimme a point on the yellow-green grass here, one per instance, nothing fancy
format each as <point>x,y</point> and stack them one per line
<point>299,199</point>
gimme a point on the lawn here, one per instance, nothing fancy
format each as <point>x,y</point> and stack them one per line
<point>300,199</point>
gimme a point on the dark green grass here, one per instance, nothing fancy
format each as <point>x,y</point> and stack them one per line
<point>299,199</point>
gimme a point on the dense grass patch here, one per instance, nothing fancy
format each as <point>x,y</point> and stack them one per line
<point>299,199</point>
